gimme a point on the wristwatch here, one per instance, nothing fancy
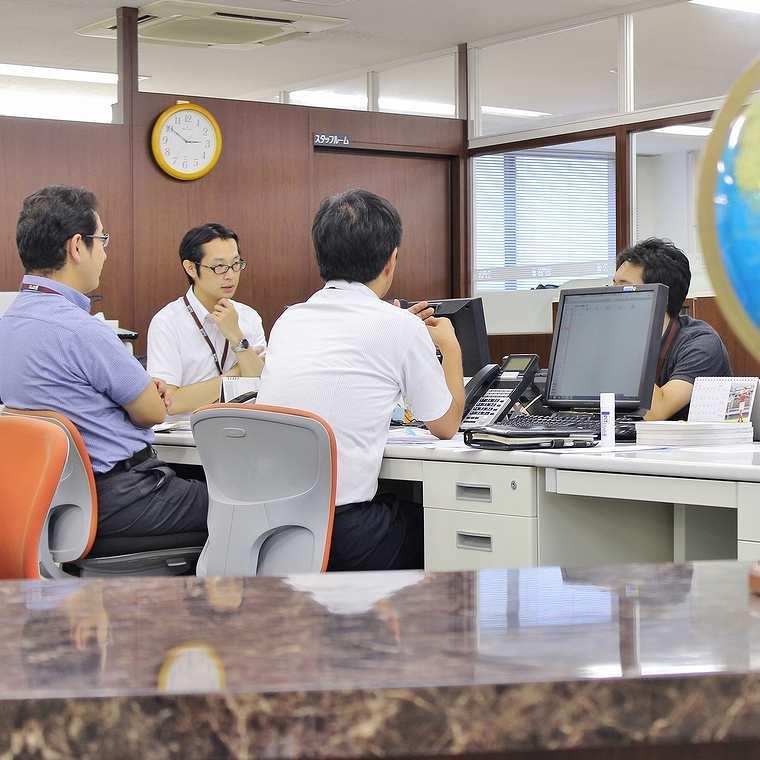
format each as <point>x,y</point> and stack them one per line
<point>244,345</point>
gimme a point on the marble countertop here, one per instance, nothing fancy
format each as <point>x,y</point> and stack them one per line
<point>347,665</point>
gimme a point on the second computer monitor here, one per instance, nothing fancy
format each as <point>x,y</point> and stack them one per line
<point>466,315</point>
<point>606,340</point>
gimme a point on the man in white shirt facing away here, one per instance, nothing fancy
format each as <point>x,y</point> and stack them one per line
<point>205,334</point>
<point>349,356</point>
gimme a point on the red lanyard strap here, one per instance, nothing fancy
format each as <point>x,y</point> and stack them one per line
<point>207,339</point>
<point>667,343</point>
<point>34,288</point>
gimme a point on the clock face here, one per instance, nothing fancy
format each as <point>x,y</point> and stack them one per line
<point>187,143</point>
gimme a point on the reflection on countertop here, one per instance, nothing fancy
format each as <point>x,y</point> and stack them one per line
<point>493,660</point>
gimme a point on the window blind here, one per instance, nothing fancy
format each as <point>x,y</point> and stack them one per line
<point>542,216</point>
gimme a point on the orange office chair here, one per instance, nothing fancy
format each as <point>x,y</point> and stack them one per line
<point>271,474</point>
<point>33,455</point>
<point>68,544</point>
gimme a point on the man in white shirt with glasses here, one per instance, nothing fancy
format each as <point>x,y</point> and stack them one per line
<point>203,335</point>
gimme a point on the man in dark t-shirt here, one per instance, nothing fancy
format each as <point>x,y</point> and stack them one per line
<point>690,348</point>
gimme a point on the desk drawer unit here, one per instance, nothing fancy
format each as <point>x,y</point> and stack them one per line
<point>610,485</point>
<point>456,540</point>
<point>748,519</point>
<point>483,488</point>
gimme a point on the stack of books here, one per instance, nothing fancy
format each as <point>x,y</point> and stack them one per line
<point>675,433</point>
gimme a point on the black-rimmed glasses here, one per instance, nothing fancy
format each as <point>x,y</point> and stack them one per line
<point>220,269</point>
<point>105,237</point>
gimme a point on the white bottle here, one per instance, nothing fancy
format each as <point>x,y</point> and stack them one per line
<point>607,418</point>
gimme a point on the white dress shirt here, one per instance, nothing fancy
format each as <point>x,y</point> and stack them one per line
<point>348,356</point>
<point>177,352</point>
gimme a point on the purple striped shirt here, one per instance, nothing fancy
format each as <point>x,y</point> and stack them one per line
<point>55,355</point>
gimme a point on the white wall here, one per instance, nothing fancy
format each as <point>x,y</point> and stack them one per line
<point>665,207</point>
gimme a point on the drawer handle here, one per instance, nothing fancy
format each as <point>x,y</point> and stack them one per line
<point>234,432</point>
<point>478,541</point>
<point>473,492</point>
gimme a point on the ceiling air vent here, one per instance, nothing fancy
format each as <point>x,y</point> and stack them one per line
<point>177,22</point>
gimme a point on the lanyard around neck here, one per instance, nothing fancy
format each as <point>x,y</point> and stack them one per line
<point>666,345</point>
<point>34,288</point>
<point>197,321</point>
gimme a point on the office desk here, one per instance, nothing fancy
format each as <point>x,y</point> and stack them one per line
<point>494,509</point>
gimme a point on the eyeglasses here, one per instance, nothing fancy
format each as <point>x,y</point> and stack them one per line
<point>105,237</point>
<point>238,266</point>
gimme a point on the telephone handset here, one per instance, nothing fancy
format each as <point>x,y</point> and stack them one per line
<point>495,389</point>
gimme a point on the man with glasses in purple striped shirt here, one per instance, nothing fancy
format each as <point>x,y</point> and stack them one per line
<point>57,356</point>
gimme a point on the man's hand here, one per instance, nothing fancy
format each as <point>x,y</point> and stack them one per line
<point>163,391</point>
<point>442,332</point>
<point>226,317</point>
<point>419,309</point>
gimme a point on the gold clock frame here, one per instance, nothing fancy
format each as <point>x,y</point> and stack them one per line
<point>736,316</point>
<point>155,141</point>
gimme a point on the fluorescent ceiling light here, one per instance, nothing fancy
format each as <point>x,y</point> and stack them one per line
<point>748,6</point>
<point>685,129</point>
<point>328,99</point>
<point>65,75</point>
<point>518,113</point>
<point>407,105</point>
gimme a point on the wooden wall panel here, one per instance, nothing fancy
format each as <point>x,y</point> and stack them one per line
<point>743,363</point>
<point>267,185</point>
<point>420,189</point>
<point>540,344</point>
<point>37,152</point>
<point>260,188</point>
<point>421,134</point>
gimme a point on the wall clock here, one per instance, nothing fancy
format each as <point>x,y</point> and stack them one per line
<point>186,141</point>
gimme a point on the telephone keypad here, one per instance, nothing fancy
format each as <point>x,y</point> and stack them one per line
<point>488,407</point>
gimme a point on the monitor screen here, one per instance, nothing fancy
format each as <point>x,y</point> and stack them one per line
<point>466,315</point>
<point>606,340</point>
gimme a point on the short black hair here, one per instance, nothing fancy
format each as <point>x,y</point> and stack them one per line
<point>354,235</point>
<point>190,249</point>
<point>662,262</point>
<point>48,219</point>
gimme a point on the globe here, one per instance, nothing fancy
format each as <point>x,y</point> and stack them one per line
<point>729,208</point>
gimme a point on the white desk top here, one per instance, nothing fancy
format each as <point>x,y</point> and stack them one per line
<point>737,463</point>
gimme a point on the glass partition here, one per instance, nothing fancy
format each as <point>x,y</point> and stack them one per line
<point>425,88</point>
<point>666,172</point>
<point>350,94</point>
<point>690,51</point>
<point>544,216</point>
<point>526,83</point>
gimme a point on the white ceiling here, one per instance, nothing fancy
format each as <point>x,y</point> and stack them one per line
<point>41,32</point>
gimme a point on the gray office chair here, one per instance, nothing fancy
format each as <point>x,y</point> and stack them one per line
<point>271,474</point>
<point>68,544</point>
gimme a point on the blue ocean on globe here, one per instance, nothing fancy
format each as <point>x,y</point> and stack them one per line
<point>737,210</point>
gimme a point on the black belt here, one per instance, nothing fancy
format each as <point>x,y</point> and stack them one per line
<point>128,464</point>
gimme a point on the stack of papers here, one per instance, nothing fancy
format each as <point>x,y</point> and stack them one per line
<point>676,433</point>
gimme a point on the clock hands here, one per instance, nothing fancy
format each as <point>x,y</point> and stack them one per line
<point>176,133</point>
<point>188,142</point>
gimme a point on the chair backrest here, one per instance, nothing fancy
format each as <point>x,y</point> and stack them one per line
<point>271,474</point>
<point>32,459</point>
<point>73,520</point>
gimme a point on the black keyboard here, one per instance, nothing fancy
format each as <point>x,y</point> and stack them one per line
<point>625,426</point>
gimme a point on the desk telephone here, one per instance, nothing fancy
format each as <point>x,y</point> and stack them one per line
<point>496,388</point>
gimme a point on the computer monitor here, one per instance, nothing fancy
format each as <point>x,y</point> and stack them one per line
<point>606,340</point>
<point>466,315</point>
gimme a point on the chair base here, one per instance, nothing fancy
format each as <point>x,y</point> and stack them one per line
<point>165,562</point>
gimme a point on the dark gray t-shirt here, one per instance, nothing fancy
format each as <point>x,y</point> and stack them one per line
<point>697,351</point>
